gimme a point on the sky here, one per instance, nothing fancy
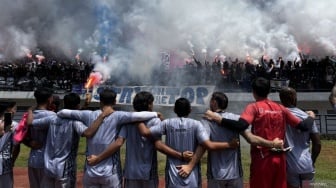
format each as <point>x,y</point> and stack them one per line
<point>135,32</point>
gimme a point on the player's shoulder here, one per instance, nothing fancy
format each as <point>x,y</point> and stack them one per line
<point>230,115</point>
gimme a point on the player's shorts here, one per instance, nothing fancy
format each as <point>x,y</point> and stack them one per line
<point>268,172</point>
<point>6,180</point>
<point>113,181</point>
<point>295,179</point>
<point>233,183</point>
<point>141,183</point>
<point>55,182</point>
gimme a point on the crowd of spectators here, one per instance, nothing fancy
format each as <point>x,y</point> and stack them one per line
<point>306,74</point>
<point>58,75</point>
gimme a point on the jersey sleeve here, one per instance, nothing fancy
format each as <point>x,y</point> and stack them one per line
<point>202,134</point>
<point>206,125</point>
<point>43,123</point>
<point>80,115</point>
<point>123,131</point>
<point>129,117</point>
<point>158,130</point>
<point>249,113</point>
<point>291,119</point>
<point>314,129</point>
<point>79,127</point>
<point>154,122</point>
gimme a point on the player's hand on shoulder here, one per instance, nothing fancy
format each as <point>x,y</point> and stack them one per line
<point>311,114</point>
<point>212,116</point>
<point>160,115</point>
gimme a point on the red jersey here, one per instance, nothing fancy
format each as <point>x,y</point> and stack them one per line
<point>268,120</point>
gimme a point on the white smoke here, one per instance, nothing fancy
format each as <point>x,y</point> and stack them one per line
<point>133,33</point>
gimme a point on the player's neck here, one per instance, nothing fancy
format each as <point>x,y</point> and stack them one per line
<point>42,107</point>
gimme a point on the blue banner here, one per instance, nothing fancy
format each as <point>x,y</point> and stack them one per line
<point>163,95</point>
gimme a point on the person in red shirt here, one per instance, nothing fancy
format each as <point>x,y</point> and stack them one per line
<point>268,120</point>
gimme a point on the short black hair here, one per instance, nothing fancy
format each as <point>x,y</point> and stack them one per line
<point>71,101</point>
<point>221,99</point>
<point>108,97</point>
<point>42,95</point>
<point>182,107</point>
<point>261,86</point>
<point>142,100</point>
<point>4,105</point>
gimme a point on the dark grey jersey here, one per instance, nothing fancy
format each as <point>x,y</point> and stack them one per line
<point>223,164</point>
<point>182,134</point>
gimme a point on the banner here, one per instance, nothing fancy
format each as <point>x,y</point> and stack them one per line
<point>163,95</point>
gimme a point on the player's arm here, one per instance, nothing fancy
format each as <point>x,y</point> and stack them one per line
<point>185,170</point>
<point>80,115</point>
<point>316,146</point>
<point>15,152</point>
<point>144,130</point>
<point>92,129</point>
<point>30,116</point>
<point>110,150</point>
<point>211,145</point>
<point>27,141</point>
<point>42,123</point>
<point>163,148</point>
<point>131,117</point>
<point>259,141</point>
<point>296,122</point>
<point>235,125</point>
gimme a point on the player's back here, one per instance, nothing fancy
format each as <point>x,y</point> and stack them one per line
<point>141,158</point>
<point>39,134</point>
<point>223,164</point>
<point>299,159</point>
<point>181,133</point>
<point>61,146</point>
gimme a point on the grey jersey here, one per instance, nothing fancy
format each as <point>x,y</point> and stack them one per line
<point>105,135</point>
<point>141,155</point>
<point>6,145</point>
<point>299,159</point>
<point>39,134</point>
<point>182,134</point>
<point>223,164</point>
<point>61,145</point>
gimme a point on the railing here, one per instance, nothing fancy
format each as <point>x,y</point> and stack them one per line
<point>330,122</point>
